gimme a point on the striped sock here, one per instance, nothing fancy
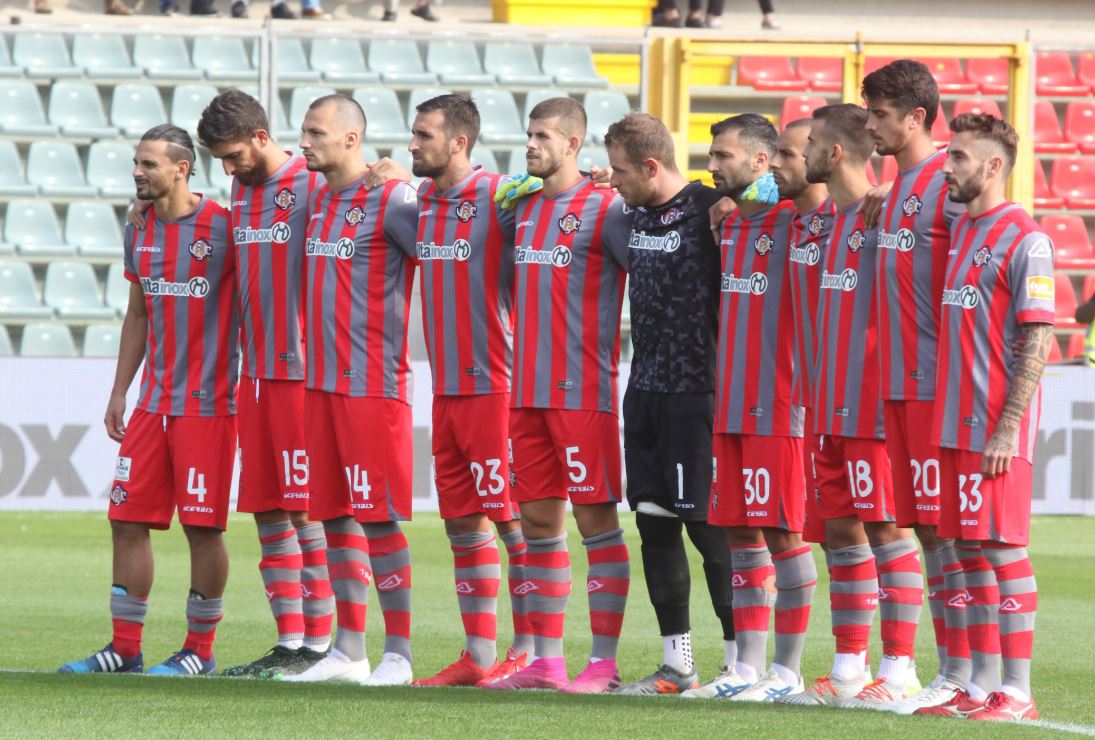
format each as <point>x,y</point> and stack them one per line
<point>954,616</point>
<point>517,551</point>
<point>796,579</point>
<point>280,569</point>
<point>127,614</point>
<point>1018,605</point>
<point>315,587</point>
<point>982,620</point>
<point>933,567</point>
<point>752,604</point>
<point>853,598</point>
<point>478,576</point>
<point>547,588</point>
<point>392,568</point>
<point>607,584</point>
<point>351,572</point>
<point>202,615</point>
<point>900,596</point>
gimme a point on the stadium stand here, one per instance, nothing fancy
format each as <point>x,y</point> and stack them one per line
<point>47,340</point>
<point>1048,137</point>
<point>1080,124</point>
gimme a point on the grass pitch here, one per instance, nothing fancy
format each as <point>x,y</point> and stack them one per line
<point>55,587</point>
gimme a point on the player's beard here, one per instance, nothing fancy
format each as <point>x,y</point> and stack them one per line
<point>733,184</point>
<point>791,189</point>
<point>150,192</point>
<point>966,192</point>
<point>432,171</point>
<point>819,171</point>
<point>257,175</point>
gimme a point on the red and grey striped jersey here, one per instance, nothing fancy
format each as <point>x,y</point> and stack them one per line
<point>756,347</point>
<point>913,242</point>
<point>1000,276</point>
<point>570,257</point>
<point>811,231</point>
<point>268,224</point>
<point>847,402</point>
<point>465,251</point>
<point>358,272</point>
<point>187,271</point>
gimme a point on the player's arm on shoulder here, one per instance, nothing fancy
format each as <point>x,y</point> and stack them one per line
<point>134,215</point>
<point>401,218</point>
<point>601,176</point>
<point>871,207</point>
<point>384,170</point>
<point>718,212</point>
<point>130,355</point>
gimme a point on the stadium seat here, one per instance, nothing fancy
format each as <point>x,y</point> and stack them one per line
<point>102,340</point>
<point>889,169</point>
<point>516,162</point>
<point>977,105</point>
<point>402,157</point>
<point>1076,342</point>
<point>769,73</point>
<point>223,58</point>
<point>1054,354</point>
<point>75,108</point>
<point>603,109</point>
<point>385,116</point>
<point>482,156</point>
<point>220,181</point>
<point>92,227</point>
<point>21,112</point>
<point>1064,301</point>
<point>340,60</point>
<point>1087,290</point>
<point>71,290</point>
<point>991,75</point>
<point>290,60</point>
<point>822,74</point>
<point>117,288</point>
<point>164,57</point>
<point>369,153</point>
<point>571,65</point>
<point>6,350</point>
<point>420,95</point>
<point>399,63</point>
<point>12,180</point>
<point>301,98</point>
<point>110,168</point>
<point>18,294</point>
<point>1080,124</point>
<point>135,108</point>
<point>47,340</point>
<point>1048,138</point>
<point>1043,196</point>
<point>1071,246</point>
<point>499,121</point>
<point>1073,178</point>
<point>1054,75</point>
<point>941,129</point>
<point>799,106</point>
<point>456,63</point>
<point>31,225</point>
<point>949,76</point>
<point>7,69</point>
<point>103,56</point>
<point>536,95</point>
<point>54,166</point>
<point>43,56</point>
<point>187,103</point>
<point>592,156</point>
<point>1085,69</point>
<point>513,64</point>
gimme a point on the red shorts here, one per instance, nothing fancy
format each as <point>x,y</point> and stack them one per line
<point>757,482</point>
<point>974,508</point>
<point>360,453</point>
<point>273,461</point>
<point>914,460</point>
<point>471,456</point>
<point>169,462</point>
<point>853,479</point>
<point>813,526</point>
<point>559,453</point>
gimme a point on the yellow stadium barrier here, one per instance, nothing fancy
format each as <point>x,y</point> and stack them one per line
<point>574,13</point>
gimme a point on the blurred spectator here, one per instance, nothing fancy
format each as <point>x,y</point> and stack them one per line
<point>668,14</point>
<point>280,9</point>
<point>421,9</point>
<point>110,7</point>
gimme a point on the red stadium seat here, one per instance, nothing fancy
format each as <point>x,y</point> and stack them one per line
<point>1080,124</point>
<point>1073,178</point>
<point>889,169</point>
<point>799,106</point>
<point>1088,289</point>
<point>768,73</point>
<point>1085,69</point>
<point>949,76</point>
<point>1048,138</point>
<point>1054,75</point>
<point>1043,196</point>
<point>1054,352</point>
<point>941,129</point>
<point>875,63</point>
<point>1071,247</point>
<point>1075,345</point>
<point>991,75</point>
<point>977,105</point>
<point>822,74</point>
<point>1064,301</point>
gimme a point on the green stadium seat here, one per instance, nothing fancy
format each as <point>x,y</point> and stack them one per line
<point>403,157</point>
<point>102,340</point>
<point>514,64</point>
<point>7,69</point>
<point>571,65</point>
<point>117,288</point>
<point>135,108</point>
<point>592,156</point>
<point>54,166</point>
<point>516,162</point>
<point>499,120</point>
<point>301,98</point>
<point>53,339</point>
<point>164,57</point>
<point>1048,138</point>
<point>18,294</point>
<point>92,227</point>
<point>43,56</point>
<point>536,95</point>
<point>12,180</point>
<point>421,95</point>
<point>31,225</point>
<point>187,103</point>
<point>290,63</point>
<point>991,75</point>
<point>482,156</point>
<point>21,112</point>
<point>340,60</point>
<point>456,63</point>
<point>76,109</point>
<point>223,58</point>
<point>103,56</point>
<point>399,63</point>
<point>603,108</point>
<point>220,181</point>
<point>71,290</point>
<point>386,123</point>
<point>6,350</point>
<point>1080,124</point>
<point>1054,75</point>
<point>110,168</point>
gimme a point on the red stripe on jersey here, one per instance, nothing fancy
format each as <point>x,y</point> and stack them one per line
<point>317,288</point>
<point>465,344</point>
<point>908,329</point>
<point>195,325</point>
<point>591,291</point>
<point>374,326</point>
<point>254,277</point>
<point>171,246</point>
<point>530,313</point>
<point>560,279</point>
<point>435,339</point>
<point>492,295</point>
<point>225,337</point>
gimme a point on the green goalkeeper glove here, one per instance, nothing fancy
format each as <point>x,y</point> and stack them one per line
<point>764,190</point>
<point>516,189</point>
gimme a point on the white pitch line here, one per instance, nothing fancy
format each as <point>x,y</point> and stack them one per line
<point>1059,726</point>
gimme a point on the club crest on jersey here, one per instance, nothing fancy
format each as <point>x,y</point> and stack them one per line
<point>355,215</point>
<point>285,199</point>
<point>912,205</point>
<point>118,495</point>
<point>856,240</point>
<point>817,225</point>
<point>982,256</point>
<point>673,215</point>
<point>570,223</point>
<point>763,244</point>
<point>466,211</point>
<point>200,249</point>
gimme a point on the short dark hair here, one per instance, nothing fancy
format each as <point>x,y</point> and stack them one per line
<point>799,123</point>
<point>179,144</point>
<point>349,109</point>
<point>846,123</point>
<point>990,128</point>
<point>461,115</point>
<point>567,110</point>
<point>754,130</point>
<point>906,84</point>
<point>642,136</point>
<point>232,115</point>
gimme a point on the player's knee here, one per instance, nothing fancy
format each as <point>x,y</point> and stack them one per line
<point>466,525</point>
<point>744,536</point>
<point>659,531</point>
<point>595,519</point>
<point>709,540</point>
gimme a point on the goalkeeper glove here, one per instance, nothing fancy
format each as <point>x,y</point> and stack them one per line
<point>508,194</point>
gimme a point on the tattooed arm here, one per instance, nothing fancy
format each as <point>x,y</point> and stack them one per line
<point>1031,348</point>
